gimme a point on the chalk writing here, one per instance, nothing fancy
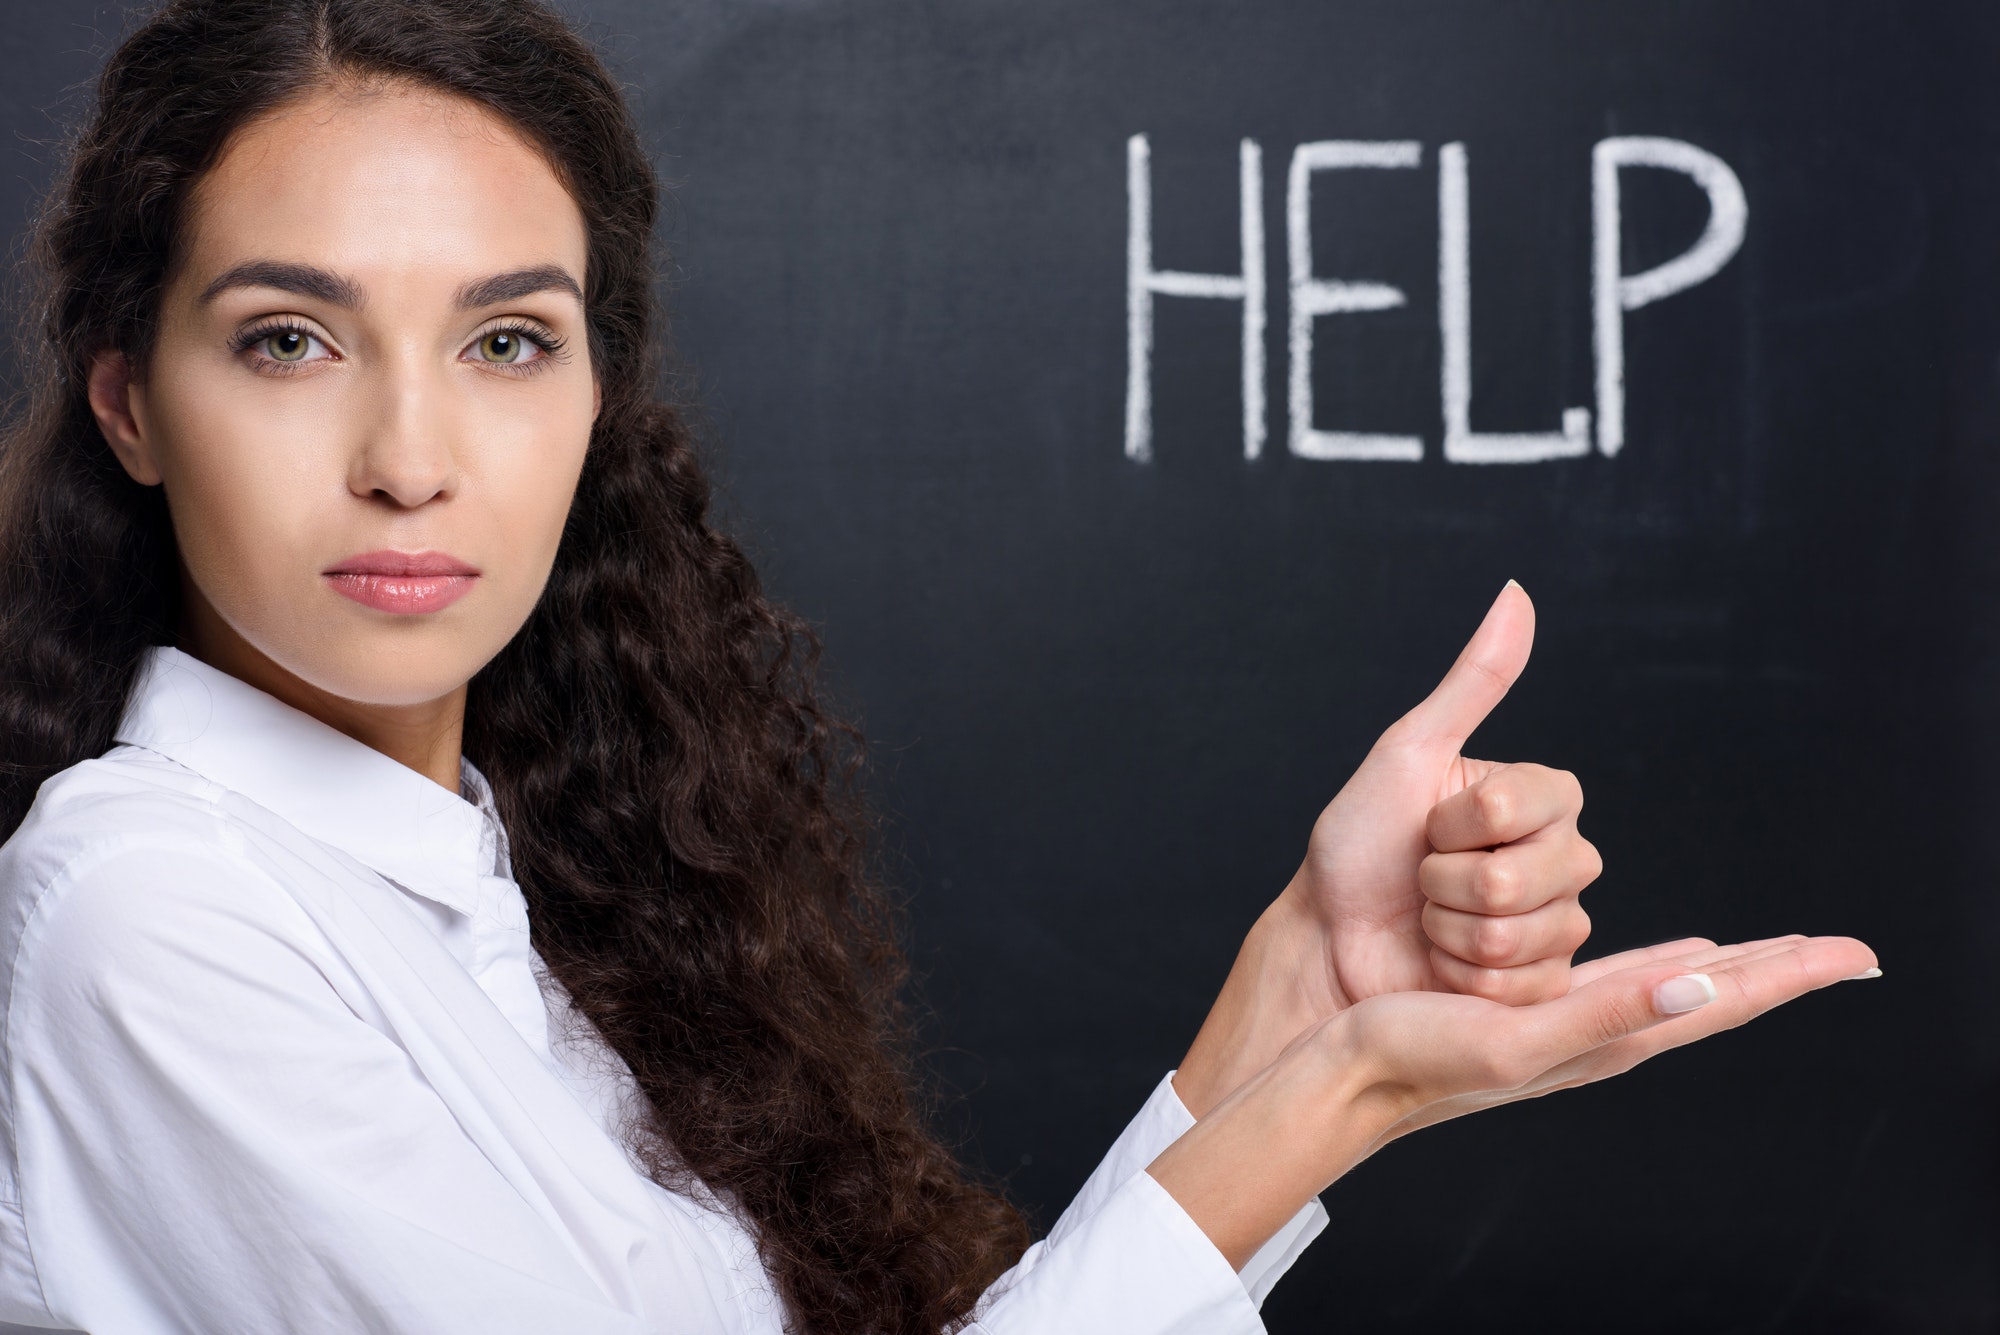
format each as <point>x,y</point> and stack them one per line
<point>1310,296</point>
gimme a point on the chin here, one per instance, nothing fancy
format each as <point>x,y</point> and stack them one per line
<point>392,666</point>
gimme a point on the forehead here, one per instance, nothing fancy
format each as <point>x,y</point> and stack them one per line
<point>400,187</point>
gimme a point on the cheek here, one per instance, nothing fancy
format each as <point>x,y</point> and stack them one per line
<point>251,491</point>
<point>529,473</point>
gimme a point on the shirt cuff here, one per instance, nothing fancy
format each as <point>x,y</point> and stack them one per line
<point>1138,1266</point>
<point>1263,1270</point>
<point>1161,1121</point>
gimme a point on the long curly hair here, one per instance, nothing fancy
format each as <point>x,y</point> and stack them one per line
<point>684,816</point>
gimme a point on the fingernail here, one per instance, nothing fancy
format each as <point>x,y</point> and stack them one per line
<point>1514,583</point>
<point>1685,993</point>
<point>1872,973</point>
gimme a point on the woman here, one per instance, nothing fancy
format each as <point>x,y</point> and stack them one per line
<point>434,897</point>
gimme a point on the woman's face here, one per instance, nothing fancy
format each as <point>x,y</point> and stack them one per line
<point>374,348</point>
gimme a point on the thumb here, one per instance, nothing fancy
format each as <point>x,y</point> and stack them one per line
<point>1490,663</point>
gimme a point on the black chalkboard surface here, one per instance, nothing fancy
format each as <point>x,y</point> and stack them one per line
<point>1681,313</point>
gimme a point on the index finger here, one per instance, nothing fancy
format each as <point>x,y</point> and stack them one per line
<point>1510,803</point>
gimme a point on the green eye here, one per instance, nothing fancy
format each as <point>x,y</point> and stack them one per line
<point>287,345</point>
<point>502,345</point>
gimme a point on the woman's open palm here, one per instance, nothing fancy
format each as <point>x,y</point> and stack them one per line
<point>1445,1056</point>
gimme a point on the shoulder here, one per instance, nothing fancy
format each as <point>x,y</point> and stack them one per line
<point>124,870</point>
<point>127,795</point>
<point>133,929</point>
<point>124,805</point>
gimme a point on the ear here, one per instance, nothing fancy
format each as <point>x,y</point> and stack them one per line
<point>119,404</point>
<point>596,396</point>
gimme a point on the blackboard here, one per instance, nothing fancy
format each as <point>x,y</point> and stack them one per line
<point>1110,683</point>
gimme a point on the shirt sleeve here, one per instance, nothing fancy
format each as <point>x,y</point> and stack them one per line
<point>1126,1257</point>
<point>210,1138</point>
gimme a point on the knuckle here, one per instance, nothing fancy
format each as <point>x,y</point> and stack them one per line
<point>1623,1016</point>
<point>1498,885</point>
<point>1590,861</point>
<point>1578,930</point>
<point>1615,1020</point>
<point>1494,940</point>
<point>1493,805</point>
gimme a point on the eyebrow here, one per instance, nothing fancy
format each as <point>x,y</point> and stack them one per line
<point>518,283</point>
<point>306,280</point>
<point>309,280</point>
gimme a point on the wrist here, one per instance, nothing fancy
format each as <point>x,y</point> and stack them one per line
<point>1278,1140</point>
<point>1277,989</point>
<point>1351,1078</point>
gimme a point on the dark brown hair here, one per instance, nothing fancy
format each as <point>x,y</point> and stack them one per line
<point>682,812</point>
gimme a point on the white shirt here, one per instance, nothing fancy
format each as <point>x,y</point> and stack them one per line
<point>277,1056</point>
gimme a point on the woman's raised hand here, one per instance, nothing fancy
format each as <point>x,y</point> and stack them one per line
<point>1428,872</point>
<point>1418,968</point>
<point>1433,871</point>
<point>1398,1061</point>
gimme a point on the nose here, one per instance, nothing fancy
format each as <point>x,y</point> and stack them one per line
<point>407,456</point>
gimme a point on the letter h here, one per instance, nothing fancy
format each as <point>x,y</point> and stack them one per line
<point>1143,282</point>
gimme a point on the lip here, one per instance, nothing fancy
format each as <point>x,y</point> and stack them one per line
<point>405,583</point>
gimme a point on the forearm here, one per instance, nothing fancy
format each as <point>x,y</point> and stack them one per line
<point>1276,990</point>
<point>1279,1139</point>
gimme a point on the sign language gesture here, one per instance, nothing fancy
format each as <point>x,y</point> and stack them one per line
<point>1431,871</point>
<point>1417,967</point>
<point>1428,872</point>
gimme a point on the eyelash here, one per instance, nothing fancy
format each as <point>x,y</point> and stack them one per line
<point>550,343</point>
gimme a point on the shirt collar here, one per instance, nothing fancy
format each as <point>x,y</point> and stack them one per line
<point>337,790</point>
